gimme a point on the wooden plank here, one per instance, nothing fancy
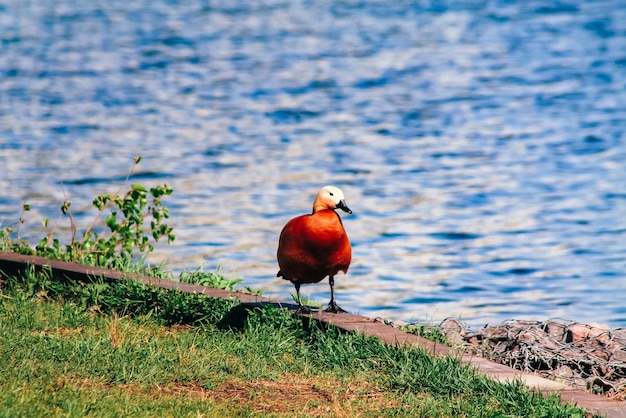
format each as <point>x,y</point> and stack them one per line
<point>12,264</point>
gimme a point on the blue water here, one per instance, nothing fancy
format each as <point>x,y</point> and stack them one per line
<point>481,145</point>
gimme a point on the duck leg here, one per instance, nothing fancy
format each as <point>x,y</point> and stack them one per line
<point>297,285</point>
<point>301,307</point>
<point>332,305</point>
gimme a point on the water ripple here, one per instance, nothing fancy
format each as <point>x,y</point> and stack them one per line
<point>480,145</point>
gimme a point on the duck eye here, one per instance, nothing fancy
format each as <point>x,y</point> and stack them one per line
<point>331,193</point>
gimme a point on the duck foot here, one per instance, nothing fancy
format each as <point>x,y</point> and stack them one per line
<point>334,308</point>
<point>304,309</point>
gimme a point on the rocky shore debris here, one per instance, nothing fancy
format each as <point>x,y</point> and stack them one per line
<point>590,356</point>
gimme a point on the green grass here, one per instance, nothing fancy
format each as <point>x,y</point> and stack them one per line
<point>112,349</point>
<point>126,349</point>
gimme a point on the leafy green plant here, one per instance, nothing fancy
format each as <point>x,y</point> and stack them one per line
<point>136,219</point>
<point>15,245</point>
<point>427,331</point>
<point>211,279</point>
<point>307,301</point>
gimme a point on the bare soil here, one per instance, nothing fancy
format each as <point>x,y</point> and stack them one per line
<point>289,395</point>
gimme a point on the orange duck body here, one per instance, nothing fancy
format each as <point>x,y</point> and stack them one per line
<point>314,246</point>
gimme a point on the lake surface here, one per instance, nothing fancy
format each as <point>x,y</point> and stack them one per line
<point>481,145</point>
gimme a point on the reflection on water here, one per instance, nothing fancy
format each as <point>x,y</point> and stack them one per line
<point>480,145</point>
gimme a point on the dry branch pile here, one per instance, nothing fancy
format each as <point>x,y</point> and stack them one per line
<point>585,355</point>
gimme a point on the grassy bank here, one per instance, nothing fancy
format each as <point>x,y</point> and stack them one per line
<point>70,348</point>
<point>127,349</point>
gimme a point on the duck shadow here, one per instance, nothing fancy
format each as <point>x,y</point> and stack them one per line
<point>237,317</point>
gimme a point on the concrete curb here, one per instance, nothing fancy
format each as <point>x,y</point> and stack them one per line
<point>11,264</point>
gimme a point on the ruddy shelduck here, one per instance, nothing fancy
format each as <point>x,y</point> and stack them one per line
<point>316,245</point>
